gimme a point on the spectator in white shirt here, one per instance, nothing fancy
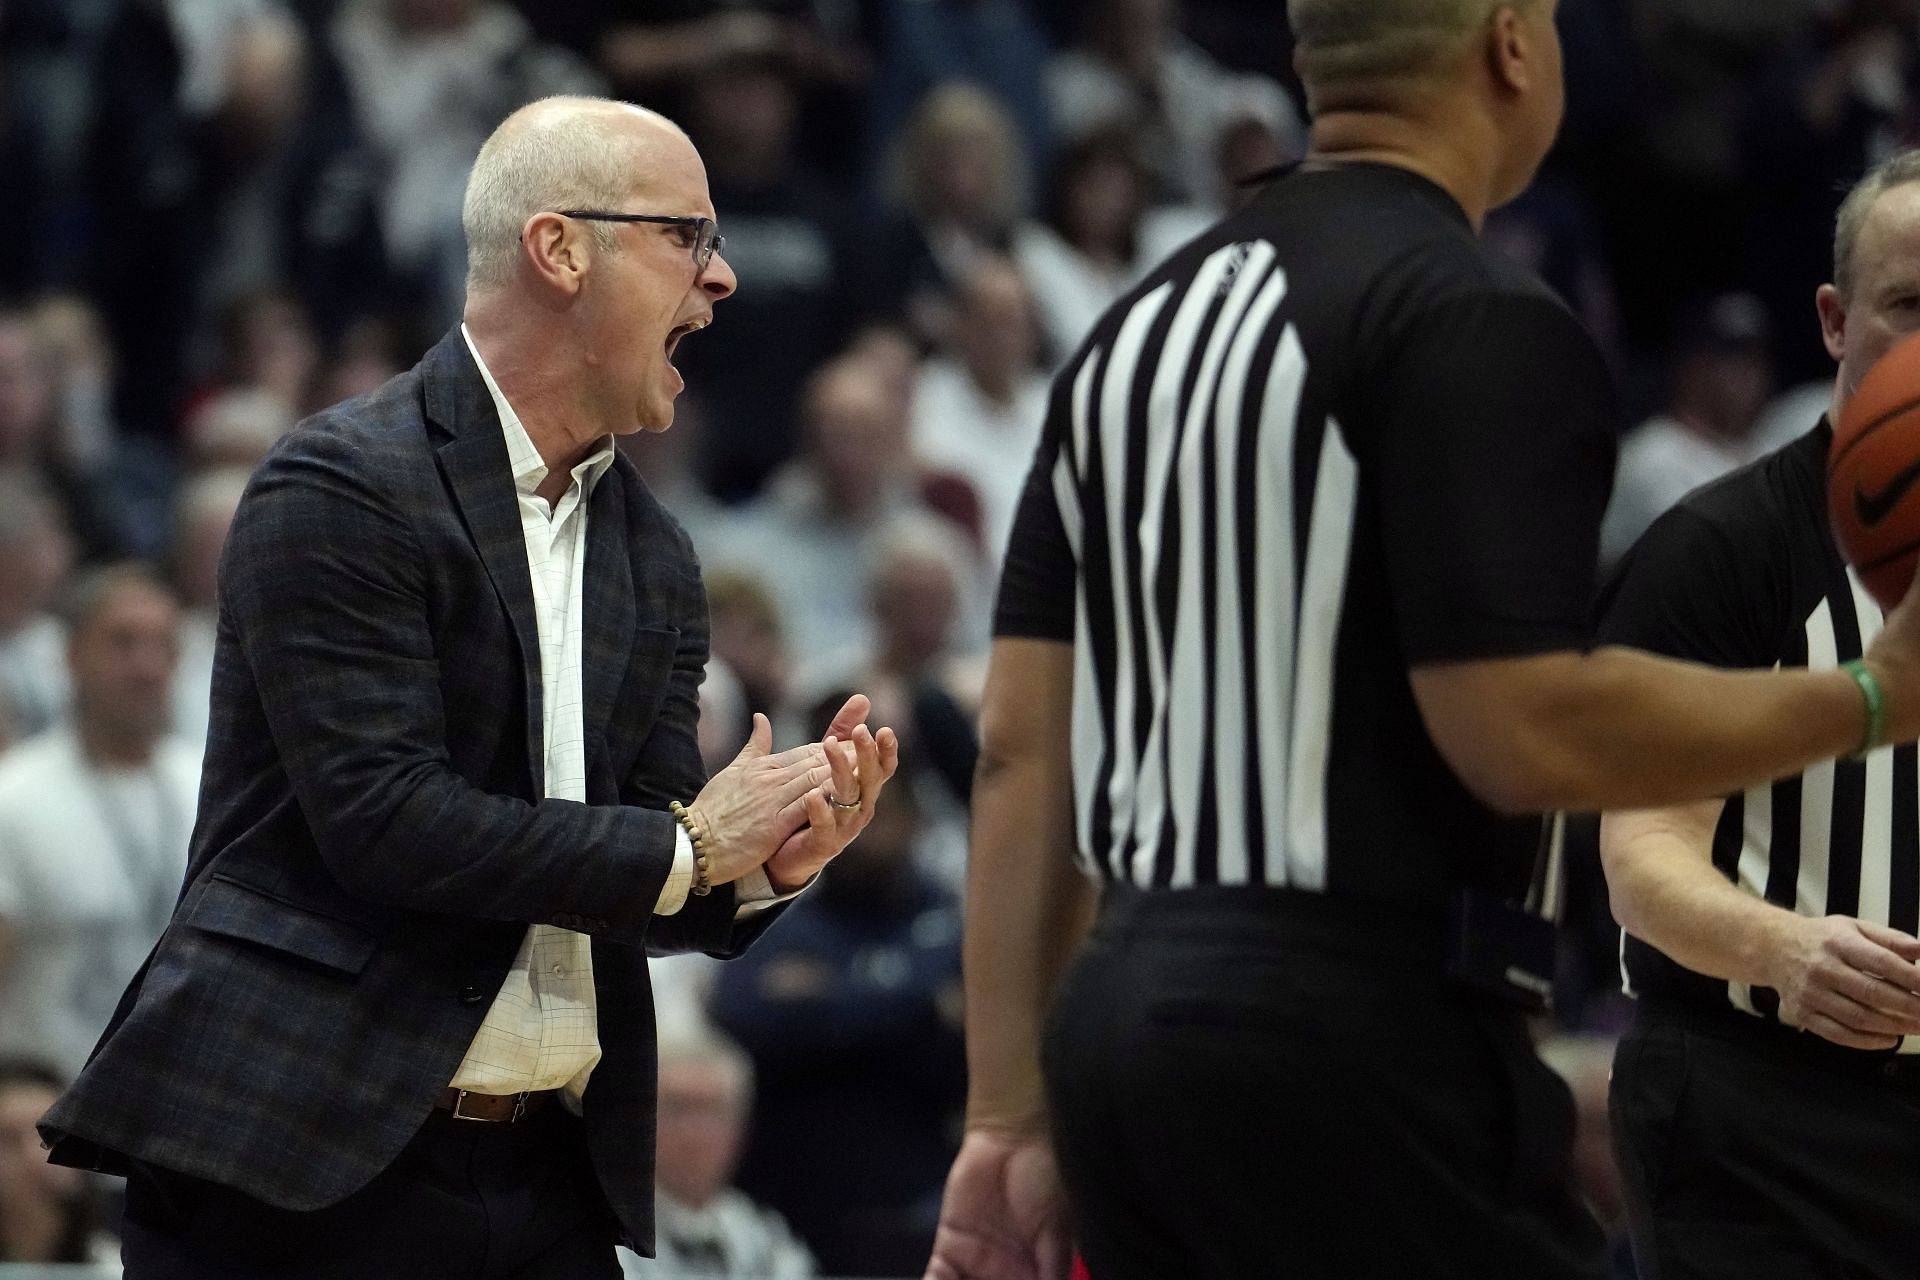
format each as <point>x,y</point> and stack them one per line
<point>978,409</point>
<point>35,555</point>
<point>95,815</point>
<point>706,1228</point>
<point>1722,376</point>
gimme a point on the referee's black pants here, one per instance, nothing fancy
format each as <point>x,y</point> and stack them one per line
<point>1258,1084</point>
<point>1754,1151</point>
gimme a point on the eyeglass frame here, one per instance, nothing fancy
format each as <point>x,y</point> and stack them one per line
<point>703,228</point>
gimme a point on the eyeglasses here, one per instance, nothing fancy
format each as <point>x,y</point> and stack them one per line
<point>707,239</point>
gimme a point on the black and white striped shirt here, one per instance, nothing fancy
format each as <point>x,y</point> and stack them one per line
<point>1743,573</point>
<point>1332,438</point>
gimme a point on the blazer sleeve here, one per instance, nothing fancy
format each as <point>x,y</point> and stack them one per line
<point>326,589</point>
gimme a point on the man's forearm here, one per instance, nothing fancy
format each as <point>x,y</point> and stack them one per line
<point>1621,729</point>
<point>1666,891</point>
<point>1028,909</point>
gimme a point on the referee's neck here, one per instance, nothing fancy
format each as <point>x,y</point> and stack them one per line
<point>1451,160</point>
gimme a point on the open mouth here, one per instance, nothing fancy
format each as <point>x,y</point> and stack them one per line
<point>680,331</point>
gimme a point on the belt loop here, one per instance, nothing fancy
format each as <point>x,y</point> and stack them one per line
<point>519,1107</point>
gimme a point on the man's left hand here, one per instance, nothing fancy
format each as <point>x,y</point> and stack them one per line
<point>861,761</point>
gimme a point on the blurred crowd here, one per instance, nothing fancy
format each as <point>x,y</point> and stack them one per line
<point>219,215</point>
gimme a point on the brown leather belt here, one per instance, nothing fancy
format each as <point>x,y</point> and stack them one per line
<point>493,1108</point>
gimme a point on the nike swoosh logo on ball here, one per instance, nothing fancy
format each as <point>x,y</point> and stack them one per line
<point>1872,508</point>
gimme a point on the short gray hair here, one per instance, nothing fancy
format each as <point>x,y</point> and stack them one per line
<point>547,161</point>
<point>1897,170</point>
<point>1343,41</point>
<point>90,590</point>
<point>700,1044</point>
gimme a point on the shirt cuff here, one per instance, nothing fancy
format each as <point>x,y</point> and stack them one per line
<point>673,894</point>
<point>754,893</point>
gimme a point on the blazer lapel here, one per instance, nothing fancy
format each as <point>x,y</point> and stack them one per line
<point>474,460</point>
<point>606,637</point>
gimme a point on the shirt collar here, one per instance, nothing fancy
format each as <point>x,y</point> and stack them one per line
<point>524,460</point>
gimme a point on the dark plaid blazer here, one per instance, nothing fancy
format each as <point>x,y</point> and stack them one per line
<point>369,850</point>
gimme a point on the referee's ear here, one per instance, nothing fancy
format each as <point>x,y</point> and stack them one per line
<point>1513,54</point>
<point>1833,320</point>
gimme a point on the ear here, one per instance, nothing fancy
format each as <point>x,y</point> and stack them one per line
<point>1833,320</point>
<point>1510,52</point>
<point>557,251</point>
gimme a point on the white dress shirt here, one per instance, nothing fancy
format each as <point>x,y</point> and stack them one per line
<point>542,1030</point>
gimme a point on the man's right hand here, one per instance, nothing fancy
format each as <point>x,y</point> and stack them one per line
<point>1849,981</point>
<point>748,808</point>
<point>1004,1216</point>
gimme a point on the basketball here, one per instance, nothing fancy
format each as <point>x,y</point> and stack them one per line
<point>1873,474</point>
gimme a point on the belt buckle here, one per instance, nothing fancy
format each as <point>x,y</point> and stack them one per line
<point>519,1109</point>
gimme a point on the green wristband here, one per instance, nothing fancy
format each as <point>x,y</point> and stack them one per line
<point>1876,700</point>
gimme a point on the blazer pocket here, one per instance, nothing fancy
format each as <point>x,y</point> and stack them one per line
<point>235,910</point>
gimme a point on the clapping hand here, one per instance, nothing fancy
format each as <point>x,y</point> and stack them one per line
<point>859,763</point>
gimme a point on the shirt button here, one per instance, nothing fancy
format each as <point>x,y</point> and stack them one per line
<point>559,971</point>
<point>472,995</point>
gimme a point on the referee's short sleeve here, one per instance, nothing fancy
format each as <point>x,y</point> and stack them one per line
<point>1038,579</point>
<point>1494,462</point>
<point>1697,589</point>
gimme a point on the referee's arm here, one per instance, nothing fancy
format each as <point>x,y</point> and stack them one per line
<point>1622,729</point>
<point>1847,980</point>
<point>1028,911</point>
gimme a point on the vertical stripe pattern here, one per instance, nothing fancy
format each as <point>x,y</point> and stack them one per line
<point>1207,625</point>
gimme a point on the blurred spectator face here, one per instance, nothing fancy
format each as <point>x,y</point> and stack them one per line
<point>962,162</point>
<point>366,360</point>
<point>1101,204</point>
<point>746,112</point>
<point>36,555</point>
<point>266,88</point>
<point>858,435</point>
<point>703,1116</point>
<point>997,336</point>
<point>25,1175</point>
<point>432,15</point>
<point>747,637</point>
<point>204,513</point>
<point>914,602</point>
<point>1885,302</point>
<point>270,345</point>
<point>27,392</point>
<point>73,338</point>
<point>964,175</point>
<point>1734,385</point>
<point>1135,29</point>
<point>894,360</point>
<point>122,659</point>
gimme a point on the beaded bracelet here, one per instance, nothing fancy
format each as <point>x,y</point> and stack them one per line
<point>702,871</point>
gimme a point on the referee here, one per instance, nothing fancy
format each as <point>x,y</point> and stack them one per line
<point>1291,630</point>
<point>1750,1150</point>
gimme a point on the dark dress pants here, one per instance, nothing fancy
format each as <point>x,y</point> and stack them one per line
<point>1750,1151</point>
<point>465,1200</point>
<point>1257,1084</point>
